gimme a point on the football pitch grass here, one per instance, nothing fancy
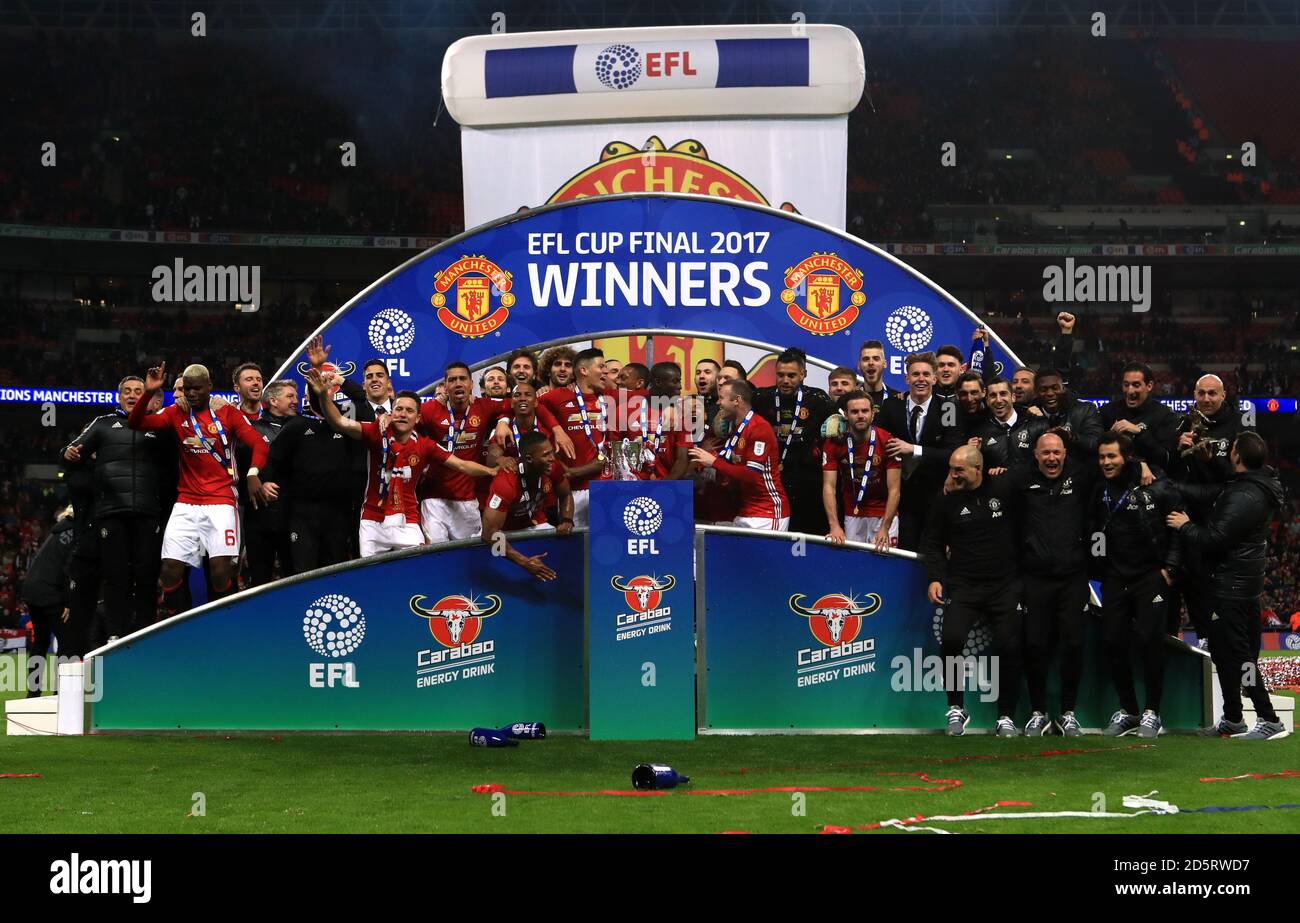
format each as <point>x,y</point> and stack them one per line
<point>423,783</point>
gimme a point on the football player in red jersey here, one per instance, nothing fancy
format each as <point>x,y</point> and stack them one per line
<point>749,458</point>
<point>398,457</point>
<point>869,479</point>
<point>583,411</point>
<point>667,435</point>
<point>448,501</point>
<point>205,518</point>
<point>517,501</point>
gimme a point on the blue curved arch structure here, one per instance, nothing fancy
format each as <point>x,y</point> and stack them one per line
<point>643,262</point>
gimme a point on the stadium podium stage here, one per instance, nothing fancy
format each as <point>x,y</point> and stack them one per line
<point>773,633</point>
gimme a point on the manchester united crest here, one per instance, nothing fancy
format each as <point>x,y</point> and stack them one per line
<point>684,167</point>
<point>478,283</point>
<point>825,310</point>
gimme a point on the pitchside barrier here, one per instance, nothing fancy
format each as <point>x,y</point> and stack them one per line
<point>791,634</point>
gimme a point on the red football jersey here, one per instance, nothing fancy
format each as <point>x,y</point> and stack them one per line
<point>835,457</point>
<point>406,464</point>
<point>464,437</point>
<point>507,491</point>
<point>203,479</point>
<point>754,466</point>
<point>664,442</point>
<point>563,404</point>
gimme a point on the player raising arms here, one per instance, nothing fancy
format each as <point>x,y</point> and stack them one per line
<point>205,519</point>
<point>398,456</point>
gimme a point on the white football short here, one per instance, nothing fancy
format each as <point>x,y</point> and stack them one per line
<point>864,528</point>
<point>766,523</point>
<point>198,529</point>
<point>393,534</point>
<point>450,520</point>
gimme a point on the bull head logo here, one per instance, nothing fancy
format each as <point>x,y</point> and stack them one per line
<point>455,620</point>
<point>642,593</point>
<point>835,618</point>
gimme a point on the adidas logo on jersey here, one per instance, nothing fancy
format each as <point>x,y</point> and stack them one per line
<point>117,425</point>
<point>965,511</point>
<point>1158,599</point>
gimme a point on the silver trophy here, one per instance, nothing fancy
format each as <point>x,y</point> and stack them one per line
<point>625,460</point>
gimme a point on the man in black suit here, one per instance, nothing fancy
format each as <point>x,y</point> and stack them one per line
<point>925,430</point>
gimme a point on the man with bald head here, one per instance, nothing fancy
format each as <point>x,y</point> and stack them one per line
<point>1201,456</point>
<point>1054,493</point>
<point>966,548</point>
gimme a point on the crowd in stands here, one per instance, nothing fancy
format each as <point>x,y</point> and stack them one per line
<point>186,135</point>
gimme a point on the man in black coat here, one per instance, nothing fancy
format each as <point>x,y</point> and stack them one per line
<point>266,525</point>
<point>128,483</point>
<point>797,412</point>
<point>1151,425</point>
<point>1007,435</point>
<point>48,596</point>
<point>1075,421</point>
<point>1200,455</point>
<point>925,429</point>
<point>1137,557</point>
<point>1233,543</point>
<point>1054,494</point>
<point>966,552</point>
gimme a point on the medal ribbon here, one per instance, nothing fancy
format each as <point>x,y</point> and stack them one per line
<point>212,449</point>
<point>866,470</point>
<point>798,405</point>
<point>454,431</point>
<point>730,447</point>
<point>586,420</point>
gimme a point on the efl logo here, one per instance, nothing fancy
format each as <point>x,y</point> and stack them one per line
<point>333,626</point>
<point>908,329</point>
<point>623,66</point>
<point>456,622</point>
<point>643,595</point>
<point>392,331</point>
<point>476,280</point>
<point>835,620</point>
<point>642,516</point>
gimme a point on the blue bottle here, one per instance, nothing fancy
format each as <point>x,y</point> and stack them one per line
<point>490,737</point>
<point>534,731</point>
<point>650,776</point>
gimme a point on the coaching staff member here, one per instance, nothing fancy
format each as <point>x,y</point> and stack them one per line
<point>128,514</point>
<point>1053,552</point>
<point>926,430</point>
<point>969,532</point>
<point>1234,546</point>
<point>1137,558</point>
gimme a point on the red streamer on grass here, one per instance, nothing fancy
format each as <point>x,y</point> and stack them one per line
<point>830,828</point>
<point>1284,774</point>
<point>20,775</point>
<point>934,785</point>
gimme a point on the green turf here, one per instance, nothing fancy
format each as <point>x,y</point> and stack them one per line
<point>422,783</point>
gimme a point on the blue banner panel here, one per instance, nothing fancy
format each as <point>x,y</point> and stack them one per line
<point>818,637</point>
<point>641,594</point>
<point>436,640</point>
<point>708,266</point>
